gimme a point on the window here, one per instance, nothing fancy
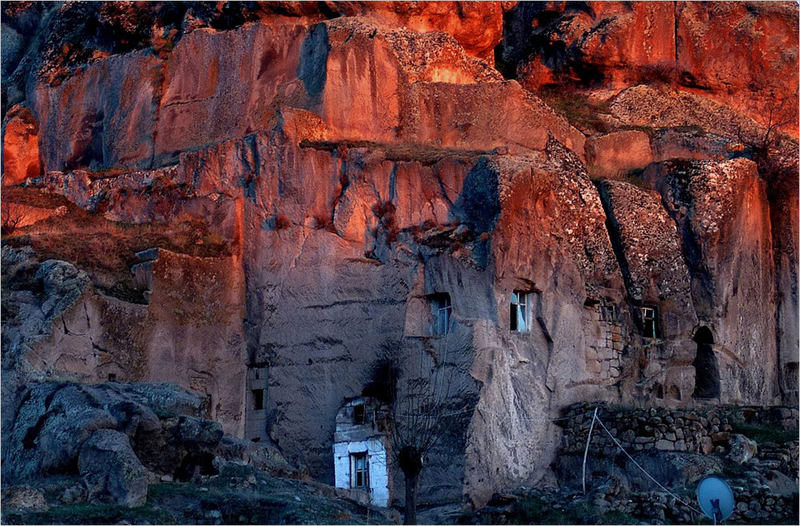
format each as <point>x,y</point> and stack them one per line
<point>258,399</point>
<point>441,309</point>
<point>649,322</point>
<point>359,414</point>
<point>359,470</point>
<point>519,311</point>
<point>608,313</point>
<point>112,377</point>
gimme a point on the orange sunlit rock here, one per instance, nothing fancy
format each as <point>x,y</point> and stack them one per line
<point>21,159</point>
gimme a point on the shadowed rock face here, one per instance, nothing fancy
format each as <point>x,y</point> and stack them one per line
<point>718,206</point>
<point>347,171</point>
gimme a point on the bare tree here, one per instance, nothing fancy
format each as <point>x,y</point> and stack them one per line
<point>12,217</point>
<point>417,412</point>
<point>766,143</point>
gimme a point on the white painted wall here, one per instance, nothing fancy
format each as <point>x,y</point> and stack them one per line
<point>376,459</point>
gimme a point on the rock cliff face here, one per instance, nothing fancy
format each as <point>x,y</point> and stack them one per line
<point>288,190</point>
<point>732,52</point>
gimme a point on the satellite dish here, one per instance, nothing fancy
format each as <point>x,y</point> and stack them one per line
<point>715,498</point>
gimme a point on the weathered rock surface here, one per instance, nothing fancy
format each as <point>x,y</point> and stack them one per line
<point>57,327</point>
<point>651,258</point>
<point>54,420</point>
<point>330,175</point>
<point>20,146</point>
<point>35,295</point>
<point>155,109</point>
<point>615,153</point>
<point>716,206</point>
<point>111,471</point>
<point>23,498</point>
<point>723,51</point>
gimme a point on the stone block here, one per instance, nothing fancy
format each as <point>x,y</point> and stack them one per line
<point>665,445</point>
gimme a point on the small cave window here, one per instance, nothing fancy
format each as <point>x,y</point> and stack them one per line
<point>650,328</point>
<point>258,399</point>
<point>359,415</point>
<point>520,311</point>
<point>608,313</point>
<point>706,381</point>
<point>441,311</point>
<point>359,470</point>
<point>112,377</point>
<point>790,377</point>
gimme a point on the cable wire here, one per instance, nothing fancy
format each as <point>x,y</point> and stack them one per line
<point>644,470</point>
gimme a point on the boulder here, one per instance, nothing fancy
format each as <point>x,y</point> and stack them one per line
<point>23,498</point>
<point>263,456</point>
<point>54,420</point>
<point>780,484</point>
<point>613,154</point>
<point>51,424</point>
<point>741,449</point>
<point>111,471</point>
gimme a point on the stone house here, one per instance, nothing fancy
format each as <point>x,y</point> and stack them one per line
<point>360,449</point>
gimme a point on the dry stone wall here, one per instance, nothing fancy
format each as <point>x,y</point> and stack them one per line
<point>699,430</point>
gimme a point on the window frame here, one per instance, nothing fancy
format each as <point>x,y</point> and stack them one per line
<point>523,299</point>
<point>656,332</point>
<point>441,307</point>
<point>356,470</point>
<point>359,414</point>
<point>608,313</point>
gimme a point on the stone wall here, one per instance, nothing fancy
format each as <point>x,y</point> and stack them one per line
<point>680,447</point>
<point>698,430</point>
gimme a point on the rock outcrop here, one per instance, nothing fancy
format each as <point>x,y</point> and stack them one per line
<point>282,207</point>
<point>58,326</point>
<point>20,146</point>
<point>111,470</point>
<point>733,53</point>
<point>718,206</point>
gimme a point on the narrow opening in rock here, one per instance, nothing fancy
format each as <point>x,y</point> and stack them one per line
<point>705,365</point>
<point>258,399</point>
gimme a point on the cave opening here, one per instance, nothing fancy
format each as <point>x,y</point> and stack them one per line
<point>705,366</point>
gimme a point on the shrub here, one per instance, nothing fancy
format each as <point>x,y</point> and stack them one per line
<point>663,73</point>
<point>764,433</point>
<point>384,211</point>
<point>11,219</point>
<point>323,222</point>
<point>281,222</point>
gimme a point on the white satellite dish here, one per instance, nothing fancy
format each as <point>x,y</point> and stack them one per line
<point>715,498</point>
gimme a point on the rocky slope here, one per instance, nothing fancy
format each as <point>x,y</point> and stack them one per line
<point>197,193</point>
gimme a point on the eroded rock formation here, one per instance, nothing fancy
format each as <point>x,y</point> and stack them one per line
<point>288,190</point>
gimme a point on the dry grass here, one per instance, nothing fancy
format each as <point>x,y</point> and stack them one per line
<point>106,250</point>
<point>577,109</point>
<point>423,154</point>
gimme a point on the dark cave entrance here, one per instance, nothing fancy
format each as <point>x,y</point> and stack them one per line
<point>705,365</point>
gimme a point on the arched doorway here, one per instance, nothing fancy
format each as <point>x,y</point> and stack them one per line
<point>706,383</point>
